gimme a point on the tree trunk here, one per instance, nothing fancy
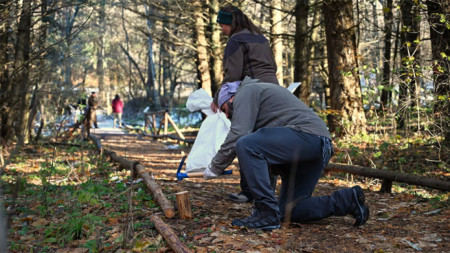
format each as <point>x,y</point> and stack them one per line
<point>37,95</point>
<point>152,92</point>
<point>216,45</point>
<point>346,100</point>
<point>4,63</point>
<point>202,48</point>
<point>408,35</point>
<point>386,93</point>
<point>301,53</point>
<point>102,92</point>
<point>440,39</point>
<point>21,77</point>
<point>276,29</point>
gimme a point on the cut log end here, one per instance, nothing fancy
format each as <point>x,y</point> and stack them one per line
<point>184,205</point>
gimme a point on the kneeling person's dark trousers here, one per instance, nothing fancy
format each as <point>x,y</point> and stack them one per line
<point>300,159</point>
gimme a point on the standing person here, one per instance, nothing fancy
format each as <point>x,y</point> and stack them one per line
<point>117,109</point>
<point>92,107</point>
<point>247,53</point>
<point>270,127</point>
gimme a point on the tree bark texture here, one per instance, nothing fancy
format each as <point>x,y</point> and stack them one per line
<point>166,205</point>
<point>346,100</point>
<point>102,91</point>
<point>21,81</point>
<point>169,234</point>
<point>202,48</point>
<point>184,205</point>
<point>150,85</point>
<point>409,33</point>
<point>276,29</point>
<point>440,39</point>
<point>301,53</point>
<point>386,93</point>
<point>216,46</point>
<point>4,63</point>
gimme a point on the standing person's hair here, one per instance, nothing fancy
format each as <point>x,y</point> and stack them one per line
<point>117,97</point>
<point>239,21</point>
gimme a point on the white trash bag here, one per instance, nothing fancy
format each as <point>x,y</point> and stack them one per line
<point>211,135</point>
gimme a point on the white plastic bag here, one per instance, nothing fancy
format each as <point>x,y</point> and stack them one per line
<point>211,135</point>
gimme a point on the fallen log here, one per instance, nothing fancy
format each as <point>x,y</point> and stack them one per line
<point>165,204</point>
<point>167,233</point>
<point>396,176</point>
<point>139,169</point>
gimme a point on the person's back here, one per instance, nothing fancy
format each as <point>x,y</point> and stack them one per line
<point>93,103</point>
<point>249,54</point>
<point>117,105</point>
<point>117,109</point>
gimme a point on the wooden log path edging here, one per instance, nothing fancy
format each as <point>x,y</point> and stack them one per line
<point>136,167</point>
<point>396,176</point>
<point>165,230</point>
<point>168,234</point>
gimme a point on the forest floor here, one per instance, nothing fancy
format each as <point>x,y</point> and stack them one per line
<point>399,222</point>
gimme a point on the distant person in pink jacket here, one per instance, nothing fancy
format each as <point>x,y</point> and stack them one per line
<point>117,109</point>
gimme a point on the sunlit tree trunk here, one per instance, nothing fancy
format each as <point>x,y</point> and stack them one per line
<point>216,45</point>
<point>70,20</point>
<point>346,101</point>
<point>202,48</point>
<point>102,91</point>
<point>276,29</point>
<point>440,39</point>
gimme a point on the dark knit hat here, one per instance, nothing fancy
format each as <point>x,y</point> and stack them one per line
<point>224,18</point>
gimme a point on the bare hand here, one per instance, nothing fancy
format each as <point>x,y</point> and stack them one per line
<point>214,107</point>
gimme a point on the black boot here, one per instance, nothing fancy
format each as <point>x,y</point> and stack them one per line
<point>262,218</point>
<point>359,210</point>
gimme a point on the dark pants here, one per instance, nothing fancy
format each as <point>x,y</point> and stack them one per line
<point>245,190</point>
<point>298,158</point>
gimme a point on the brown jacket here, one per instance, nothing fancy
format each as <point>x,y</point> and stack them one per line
<point>248,54</point>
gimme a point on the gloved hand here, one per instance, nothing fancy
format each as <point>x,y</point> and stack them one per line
<point>208,174</point>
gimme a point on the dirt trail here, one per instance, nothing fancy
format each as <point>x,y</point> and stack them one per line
<point>397,223</point>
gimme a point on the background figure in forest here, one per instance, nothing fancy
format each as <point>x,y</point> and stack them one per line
<point>92,108</point>
<point>81,107</point>
<point>247,53</point>
<point>117,110</point>
<point>91,114</point>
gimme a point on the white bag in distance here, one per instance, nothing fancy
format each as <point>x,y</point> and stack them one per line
<point>212,133</point>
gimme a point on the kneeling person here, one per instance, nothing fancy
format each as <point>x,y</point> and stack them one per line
<point>271,128</point>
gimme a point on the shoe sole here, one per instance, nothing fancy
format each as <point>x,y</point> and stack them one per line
<point>269,228</point>
<point>363,209</point>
